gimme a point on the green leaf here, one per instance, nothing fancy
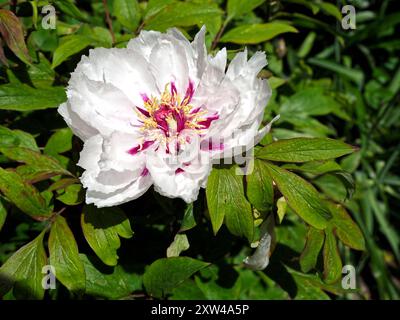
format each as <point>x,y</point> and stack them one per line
<point>351,162</point>
<point>41,74</point>
<point>3,58</point>
<point>68,7</point>
<point>163,275</point>
<point>44,40</point>
<point>64,256</point>
<point>237,8</point>
<point>112,285</point>
<point>311,101</point>
<point>21,97</point>
<point>127,13</point>
<point>345,228</point>
<point>101,37</point>
<point>155,6</point>
<point>307,3</point>
<point>59,142</point>
<point>307,45</point>
<point>260,191</point>
<point>17,138</point>
<point>281,206</point>
<point>213,289</point>
<point>179,245</point>
<point>304,150</point>
<point>301,196</point>
<point>308,287</point>
<point>102,228</point>
<point>357,76</point>
<point>256,33</point>
<point>23,270</point>
<point>330,9</point>
<point>3,212</point>
<point>332,186</point>
<point>69,46</point>
<point>188,220</point>
<point>332,260</point>
<point>62,184</point>
<point>188,290</point>
<point>39,164</point>
<point>314,167</point>
<point>26,197</point>
<point>183,14</point>
<point>314,243</point>
<point>13,35</point>
<point>73,195</point>
<point>276,82</point>
<point>226,200</point>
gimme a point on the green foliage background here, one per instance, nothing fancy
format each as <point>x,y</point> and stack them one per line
<point>323,213</point>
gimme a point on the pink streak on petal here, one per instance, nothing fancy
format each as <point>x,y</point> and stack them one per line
<point>195,110</point>
<point>173,89</point>
<point>145,97</point>
<point>145,172</point>
<point>189,92</point>
<point>144,112</point>
<point>206,123</point>
<point>180,121</point>
<point>211,145</point>
<point>179,170</point>
<point>142,147</point>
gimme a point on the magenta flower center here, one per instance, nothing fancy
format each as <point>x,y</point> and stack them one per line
<point>164,118</point>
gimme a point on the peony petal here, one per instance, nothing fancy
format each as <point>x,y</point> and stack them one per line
<point>128,193</point>
<point>168,64</point>
<point>90,155</point>
<point>103,106</point>
<point>100,175</point>
<point>177,180</point>
<point>116,152</point>
<point>80,128</point>
<point>109,181</point>
<point>123,68</point>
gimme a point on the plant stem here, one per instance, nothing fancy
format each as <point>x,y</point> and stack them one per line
<point>109,22</point>
<point>219,34</point>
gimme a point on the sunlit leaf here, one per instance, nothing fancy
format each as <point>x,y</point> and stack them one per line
<point>23,271</point>
<point>163,275</point>
<point>69,46</point>
<point>301,196</point>
<point>259,187</point>
<point>102,229</point>
<point>314,243</point>
<point>23,195</point>
<point>13,34</point>
<point>182,14</point>
<point>127,12</point>
<point>332,260</point>
<point>179,245</point>
<point>226,201</point>
<point>256,33</point>
<point>111,284</point>
<point>21,97</point>
<point>237,8</point>
<point>304,150</point>
<point>64,256</point>
<point>3,212</point>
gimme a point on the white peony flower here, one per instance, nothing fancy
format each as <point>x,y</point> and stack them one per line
<point>158,112</point>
